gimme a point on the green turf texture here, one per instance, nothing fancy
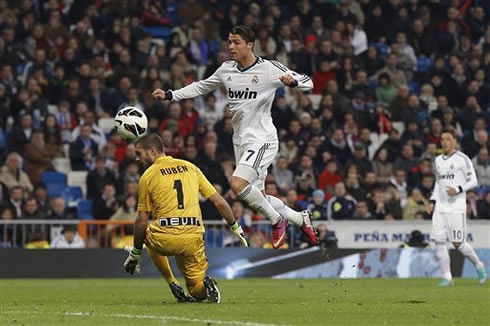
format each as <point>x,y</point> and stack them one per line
<point>136,301</point>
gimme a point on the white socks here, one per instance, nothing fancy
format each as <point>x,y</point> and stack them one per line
<point>255,199</point>
<point>290,214</point>
<point>467,250</point>
<point>443,256</point>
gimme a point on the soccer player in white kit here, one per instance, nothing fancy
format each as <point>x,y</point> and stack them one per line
<point>455,175</point>
<point>251,83</point>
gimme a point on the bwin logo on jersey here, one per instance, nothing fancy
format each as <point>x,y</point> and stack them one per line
<point>246,94</point>
<point>447,176</point>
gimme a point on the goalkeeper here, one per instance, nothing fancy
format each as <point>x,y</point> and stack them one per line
<point>169,190</point>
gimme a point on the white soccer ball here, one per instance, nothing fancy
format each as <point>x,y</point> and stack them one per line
<point>131,123</point>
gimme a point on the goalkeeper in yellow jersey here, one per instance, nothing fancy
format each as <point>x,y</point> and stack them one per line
<point>169,190</point>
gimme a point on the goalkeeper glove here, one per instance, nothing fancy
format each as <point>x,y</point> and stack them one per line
<point>237,230</point>
<point>133,262</point>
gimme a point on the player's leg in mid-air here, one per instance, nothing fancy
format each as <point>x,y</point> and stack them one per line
<point>163,266</point>
<point>457,235</point>
<point>248,182</point>
<point>439,235</point>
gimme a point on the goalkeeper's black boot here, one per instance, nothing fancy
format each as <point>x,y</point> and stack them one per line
<point>212,290</point>
<point>179,293</point>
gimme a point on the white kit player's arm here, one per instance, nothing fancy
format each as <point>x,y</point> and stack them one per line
<point>435,192</point>
<point>469,174</point>
<point>278,70</point>
<point>197,88</point>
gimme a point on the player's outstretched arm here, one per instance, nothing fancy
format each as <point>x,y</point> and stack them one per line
<point>201,87</point>
<point>225,211</point>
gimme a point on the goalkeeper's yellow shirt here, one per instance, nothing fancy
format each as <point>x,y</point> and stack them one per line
<point>169,189</point>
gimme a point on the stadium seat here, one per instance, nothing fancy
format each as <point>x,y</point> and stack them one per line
<point>53,177</point>
<point>382,48</point>
<point>84,210</point>
<point>423,64</point>
<point>55,189</point>
<point>73,196</point>
<point>78,179</point>
<point>214,237</point>
<point>414,87</point>
<point>158,32</point>
<point>62,165</point>
<point>106,124</point>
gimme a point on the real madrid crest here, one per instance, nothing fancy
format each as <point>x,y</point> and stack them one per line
<point>255,79</point>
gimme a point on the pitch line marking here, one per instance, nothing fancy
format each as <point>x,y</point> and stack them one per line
<point>163,317</point>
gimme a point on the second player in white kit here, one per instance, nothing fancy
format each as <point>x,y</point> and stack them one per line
<point>251,83</point>
<point>455,175</point>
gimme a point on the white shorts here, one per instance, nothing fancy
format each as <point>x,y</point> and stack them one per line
<point>449,226</point>
<point>253,160</point>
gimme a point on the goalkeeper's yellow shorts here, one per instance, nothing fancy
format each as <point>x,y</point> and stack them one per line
<point>188,250</point>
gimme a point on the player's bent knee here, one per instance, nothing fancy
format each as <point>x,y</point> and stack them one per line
<point>237,184</point>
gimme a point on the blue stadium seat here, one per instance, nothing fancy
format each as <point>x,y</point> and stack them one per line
<point>423,64</point>
<point>84,210</point>
<point>158,32</point>
<point>73,196</point>
<point>55,189</point>
<point>53,177</point>
<point>382,48</point>
<point>214,237</point>
<point>55,183</point>
<point>414,87</point>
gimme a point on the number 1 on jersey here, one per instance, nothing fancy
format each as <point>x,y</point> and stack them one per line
<point>180,194</point>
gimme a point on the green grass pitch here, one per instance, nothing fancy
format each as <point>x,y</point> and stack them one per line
<point>135,301</point>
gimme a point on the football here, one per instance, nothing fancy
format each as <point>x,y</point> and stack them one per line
<point>131,123</point>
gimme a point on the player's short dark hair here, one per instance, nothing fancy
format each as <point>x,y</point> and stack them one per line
<point>245,32</point>
<point>449,131</point>
<point>151,140</point>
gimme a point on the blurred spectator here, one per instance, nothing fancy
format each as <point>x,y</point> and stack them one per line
<point>481,162</point>
<point>98,177</point>
<point>16,200</point>
<point>12,175</point>
<point>318,207</point>
<point>127,212</point>
<point>96,134</point>
<point>360,160</point>
<point>353,186</point>
<point>106,205</point>
<point>415,203</point>
<point>59,210</point>
<point>385,92</point>
<point>6,230</point>
<point>484,206</point>
<point>342,205</point>
<point>21,134</point>
<point>326,238</point>
<point>38,155</point>
<point>305,176</point>
<point>384,207</point>
<point>68,239</point>
<point>30,210</point>
<point>42,199</point>
<point>83,150</point>
<point>382,166</point>
<point>283,176</point>
<point>362,211</point>
<point>398,185</point>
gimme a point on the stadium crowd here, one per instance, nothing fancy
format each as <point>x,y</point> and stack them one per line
<point>389,76</point>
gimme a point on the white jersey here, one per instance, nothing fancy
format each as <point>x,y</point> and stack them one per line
<point>250,95</point>
<point>456,171</point>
